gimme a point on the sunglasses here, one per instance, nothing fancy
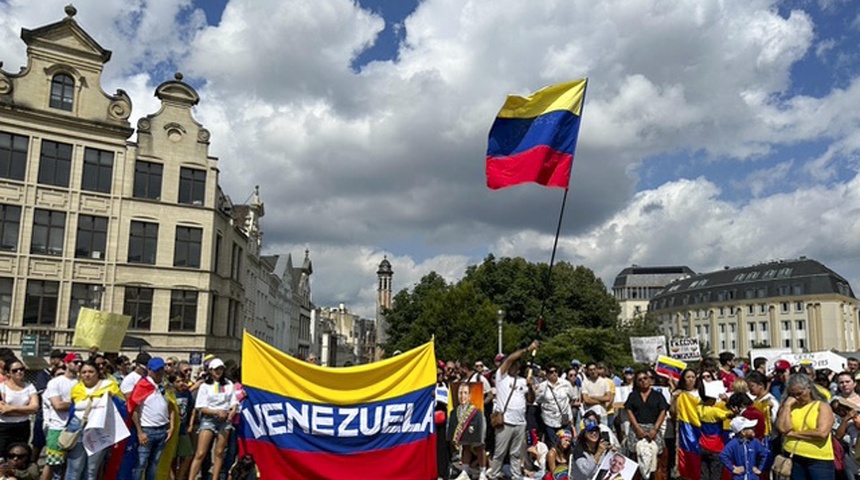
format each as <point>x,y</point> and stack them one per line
<point>79,362</point>
<point>552,370</point>
<point>187,370</point>
<point>20,456</point>
<point>169,364</point>
<point>17,370</point>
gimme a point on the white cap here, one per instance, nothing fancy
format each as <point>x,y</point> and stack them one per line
<point>215,363</point>
<point>740,423</point>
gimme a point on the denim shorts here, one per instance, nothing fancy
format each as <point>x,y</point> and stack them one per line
<point>214,424</point>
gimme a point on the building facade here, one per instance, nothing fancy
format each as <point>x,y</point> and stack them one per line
<point>635,286</point>
<point>798,304</point>
<point>384,277</point>
<point>88,218</point>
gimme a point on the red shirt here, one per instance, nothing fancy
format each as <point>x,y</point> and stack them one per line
<point>753,414</point>
<point>728,379</point>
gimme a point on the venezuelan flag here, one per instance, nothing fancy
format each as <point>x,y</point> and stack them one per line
<point>689,431</point>
<point>669,367</point>
<point>368,421</point>
<point>533,138</point>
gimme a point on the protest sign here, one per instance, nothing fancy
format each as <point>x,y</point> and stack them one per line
<point>771,354</point>
<point>647,349</point>
<point>686,349</point>
<point>100,329</point>
<point>820,360</point>
<point>621,394</point>
<point>614,466</point>
<point>714,389</point>
<point>112,431</point>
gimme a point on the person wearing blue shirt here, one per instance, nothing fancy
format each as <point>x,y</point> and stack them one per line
<point>744,456</point>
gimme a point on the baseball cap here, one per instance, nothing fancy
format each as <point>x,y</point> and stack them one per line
<point>740,423</point>
<point>143,358</point>
<point>781,365</point>
<point>591,425</point>
<point>71,357</point>
<point>499,357</point>
<point>155,364</point>
<point>628,370</point>
<point>806,362</point>
<point>575,363</point>
<point>215,363</point>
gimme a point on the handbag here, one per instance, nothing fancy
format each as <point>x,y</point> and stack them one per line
<point>497,419</point>
<point>72,432</point>
<point>565,418</point>
<point>781,464</point>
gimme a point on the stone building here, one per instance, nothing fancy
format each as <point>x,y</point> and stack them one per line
<point>635,286</point>
<point>88,218</point>
<point>798,304</point>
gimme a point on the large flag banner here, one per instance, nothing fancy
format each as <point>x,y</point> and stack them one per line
<point>533,138</point>
<point>376,421</point>
<point>689,430</point>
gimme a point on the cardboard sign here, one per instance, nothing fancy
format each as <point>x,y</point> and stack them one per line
<point>686,349</point>
<point>100,329</point>
<point>714,389</point>
<point>647,349</point>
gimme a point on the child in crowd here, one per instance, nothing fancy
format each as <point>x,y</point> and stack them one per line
<point>744,455</point>
<point>185,403</point>
<point>711,414</point>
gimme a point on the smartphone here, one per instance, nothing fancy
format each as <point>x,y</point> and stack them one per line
<point>604,437</point>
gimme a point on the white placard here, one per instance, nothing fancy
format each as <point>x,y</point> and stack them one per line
<point>114,431</point>
<point>647,349</point>
<point>771,354</point>
<point>714,389</point>
<point>820,360</point>
<point>621,394</point>
<point>686,349</point>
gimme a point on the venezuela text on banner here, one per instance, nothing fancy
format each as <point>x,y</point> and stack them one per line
<point>302,421</point>
<point>533,138</point>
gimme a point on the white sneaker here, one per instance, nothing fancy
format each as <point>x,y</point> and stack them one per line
<point>482,476</point>
<point>463,475</point>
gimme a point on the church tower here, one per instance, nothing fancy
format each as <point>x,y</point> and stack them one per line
<point>383,301</point>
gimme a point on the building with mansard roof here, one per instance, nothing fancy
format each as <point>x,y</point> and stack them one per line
<point>635,286</point>
<point>799,304</point>
<point>90,219</point>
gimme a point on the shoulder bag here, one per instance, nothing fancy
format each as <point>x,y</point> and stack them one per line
<point>497,419</point>
<point>565,418</point>
<point>72,432</point>
<point>782,464</point>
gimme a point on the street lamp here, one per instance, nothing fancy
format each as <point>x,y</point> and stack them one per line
<point>501,314</point>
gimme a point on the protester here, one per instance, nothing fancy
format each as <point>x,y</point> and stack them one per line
<point>781,369</point>
<point>852,365</point>
<point>744,456</point>
<point>512,391</point>
<point>559,455</point>
<point>760,365</point>
<point>170,365</point>
<point>846,432</point>
<point>805,420</point>
<point>123,366</point>
<point>646,410</point>
<point>846,385</point>
<point>89,389</point>
<point>56,402</point>
<point>19,463</point>
<point>711,417</point>
<point>19,401</point>
<point>152,418</point>
<point>184,404</point>
<point>596,393</point>
<point>42,378</point>
<point>726,373</point>
<point>588,452</point>
<point>534,466</point>
<point>217,404</point>
<point>555,396</point>
<point>130,380</point>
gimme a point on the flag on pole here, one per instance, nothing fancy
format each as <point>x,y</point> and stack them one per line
<point>533,138</point>
<point>300,420</point>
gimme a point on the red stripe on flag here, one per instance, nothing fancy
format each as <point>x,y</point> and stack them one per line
<point>541,164</point>
<point>417,458</point>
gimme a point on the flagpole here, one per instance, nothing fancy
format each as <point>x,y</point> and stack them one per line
<point>548,284</point>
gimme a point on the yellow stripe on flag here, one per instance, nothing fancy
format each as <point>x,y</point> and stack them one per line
<point>686,409</point>
<point>563,96</point>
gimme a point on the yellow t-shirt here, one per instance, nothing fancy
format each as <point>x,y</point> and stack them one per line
<point>819,449</point>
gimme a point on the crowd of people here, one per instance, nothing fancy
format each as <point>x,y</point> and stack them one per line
<point>183,419</point>
<point>723,419</point>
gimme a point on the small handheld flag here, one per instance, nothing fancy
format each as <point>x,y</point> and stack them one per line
<point>533,138</point>
<point>669,367</point>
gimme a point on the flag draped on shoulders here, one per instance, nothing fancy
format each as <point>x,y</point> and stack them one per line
<point>376,421</point>
<point>533,138</point>
<point>689,431</point>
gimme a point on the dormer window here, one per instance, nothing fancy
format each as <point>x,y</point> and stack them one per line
<point>62,92</point>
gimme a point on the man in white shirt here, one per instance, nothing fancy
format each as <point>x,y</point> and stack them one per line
<point>56,402</point>
<point>513,393</point>
<point>596,393</point>
<point>152,419</point>
<point>130,380</point>
<point>555,397</point>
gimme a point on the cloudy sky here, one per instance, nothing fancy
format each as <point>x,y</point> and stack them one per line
<point>715,133</point>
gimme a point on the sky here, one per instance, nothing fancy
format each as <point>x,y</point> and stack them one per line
<point>715,132</point>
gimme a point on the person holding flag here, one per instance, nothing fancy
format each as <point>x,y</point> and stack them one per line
<point>153,420</point>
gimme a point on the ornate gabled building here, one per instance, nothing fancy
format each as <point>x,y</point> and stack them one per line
<point>88,218</point>
<point>798,304</point>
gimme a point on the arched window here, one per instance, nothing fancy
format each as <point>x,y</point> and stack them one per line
<point>62,92</point>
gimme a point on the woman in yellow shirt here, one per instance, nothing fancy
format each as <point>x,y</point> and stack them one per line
<point>805,421</point>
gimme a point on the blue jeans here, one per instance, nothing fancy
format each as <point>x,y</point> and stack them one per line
<point>148,456</point>
<point>80,466</point>
<point>803,468</point>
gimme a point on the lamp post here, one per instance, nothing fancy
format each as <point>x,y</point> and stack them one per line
<point>501,314</point>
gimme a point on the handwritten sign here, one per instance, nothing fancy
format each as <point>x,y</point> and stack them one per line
<point>100,329</point>
<point>686,349</point>
<point>647,349</point>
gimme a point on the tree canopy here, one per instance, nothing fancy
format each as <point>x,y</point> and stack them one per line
<point>580,315</point>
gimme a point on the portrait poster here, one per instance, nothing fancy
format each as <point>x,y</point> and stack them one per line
<point>615,466</point>
<point>647,349</point>
<point>466,422</point>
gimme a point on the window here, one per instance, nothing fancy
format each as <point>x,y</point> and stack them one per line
<point>62,92</point>
<point>750,309</point>
<point>6,285</point>
<point>138,304</point>
<point>749,293</point>
<point>98,170</point>
<point>769,274</point>
<point>147,180</point>
<point>49,228</point>
<point>752,327</point>
<point>192,186</point>
<point>142,242</point>
<point>217,259</point>
<point>797,289</point>
<point>801,343</point>
<point>83,295</point>
<point>722,311</point>
<point>10,223</point>
<point>762,308</point>
<point>92,237</point>
<point>40,305</point>
<point>722,328</point>
<point>186,252</point>
<point>786,343</point>
<point>722,344</point>
<point>786,326</point>
<point>798,306</point>
<point>763,326</point>
<point>698,330</point>
<point>13,155</point>
<point>236,262</point>
<point>55,163</point>
<point>783,307</point>
<point>782,290</point>
<point>761,292</point>
<point>799,324</point>
<point>732,328</point>
<point>183,311</point>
